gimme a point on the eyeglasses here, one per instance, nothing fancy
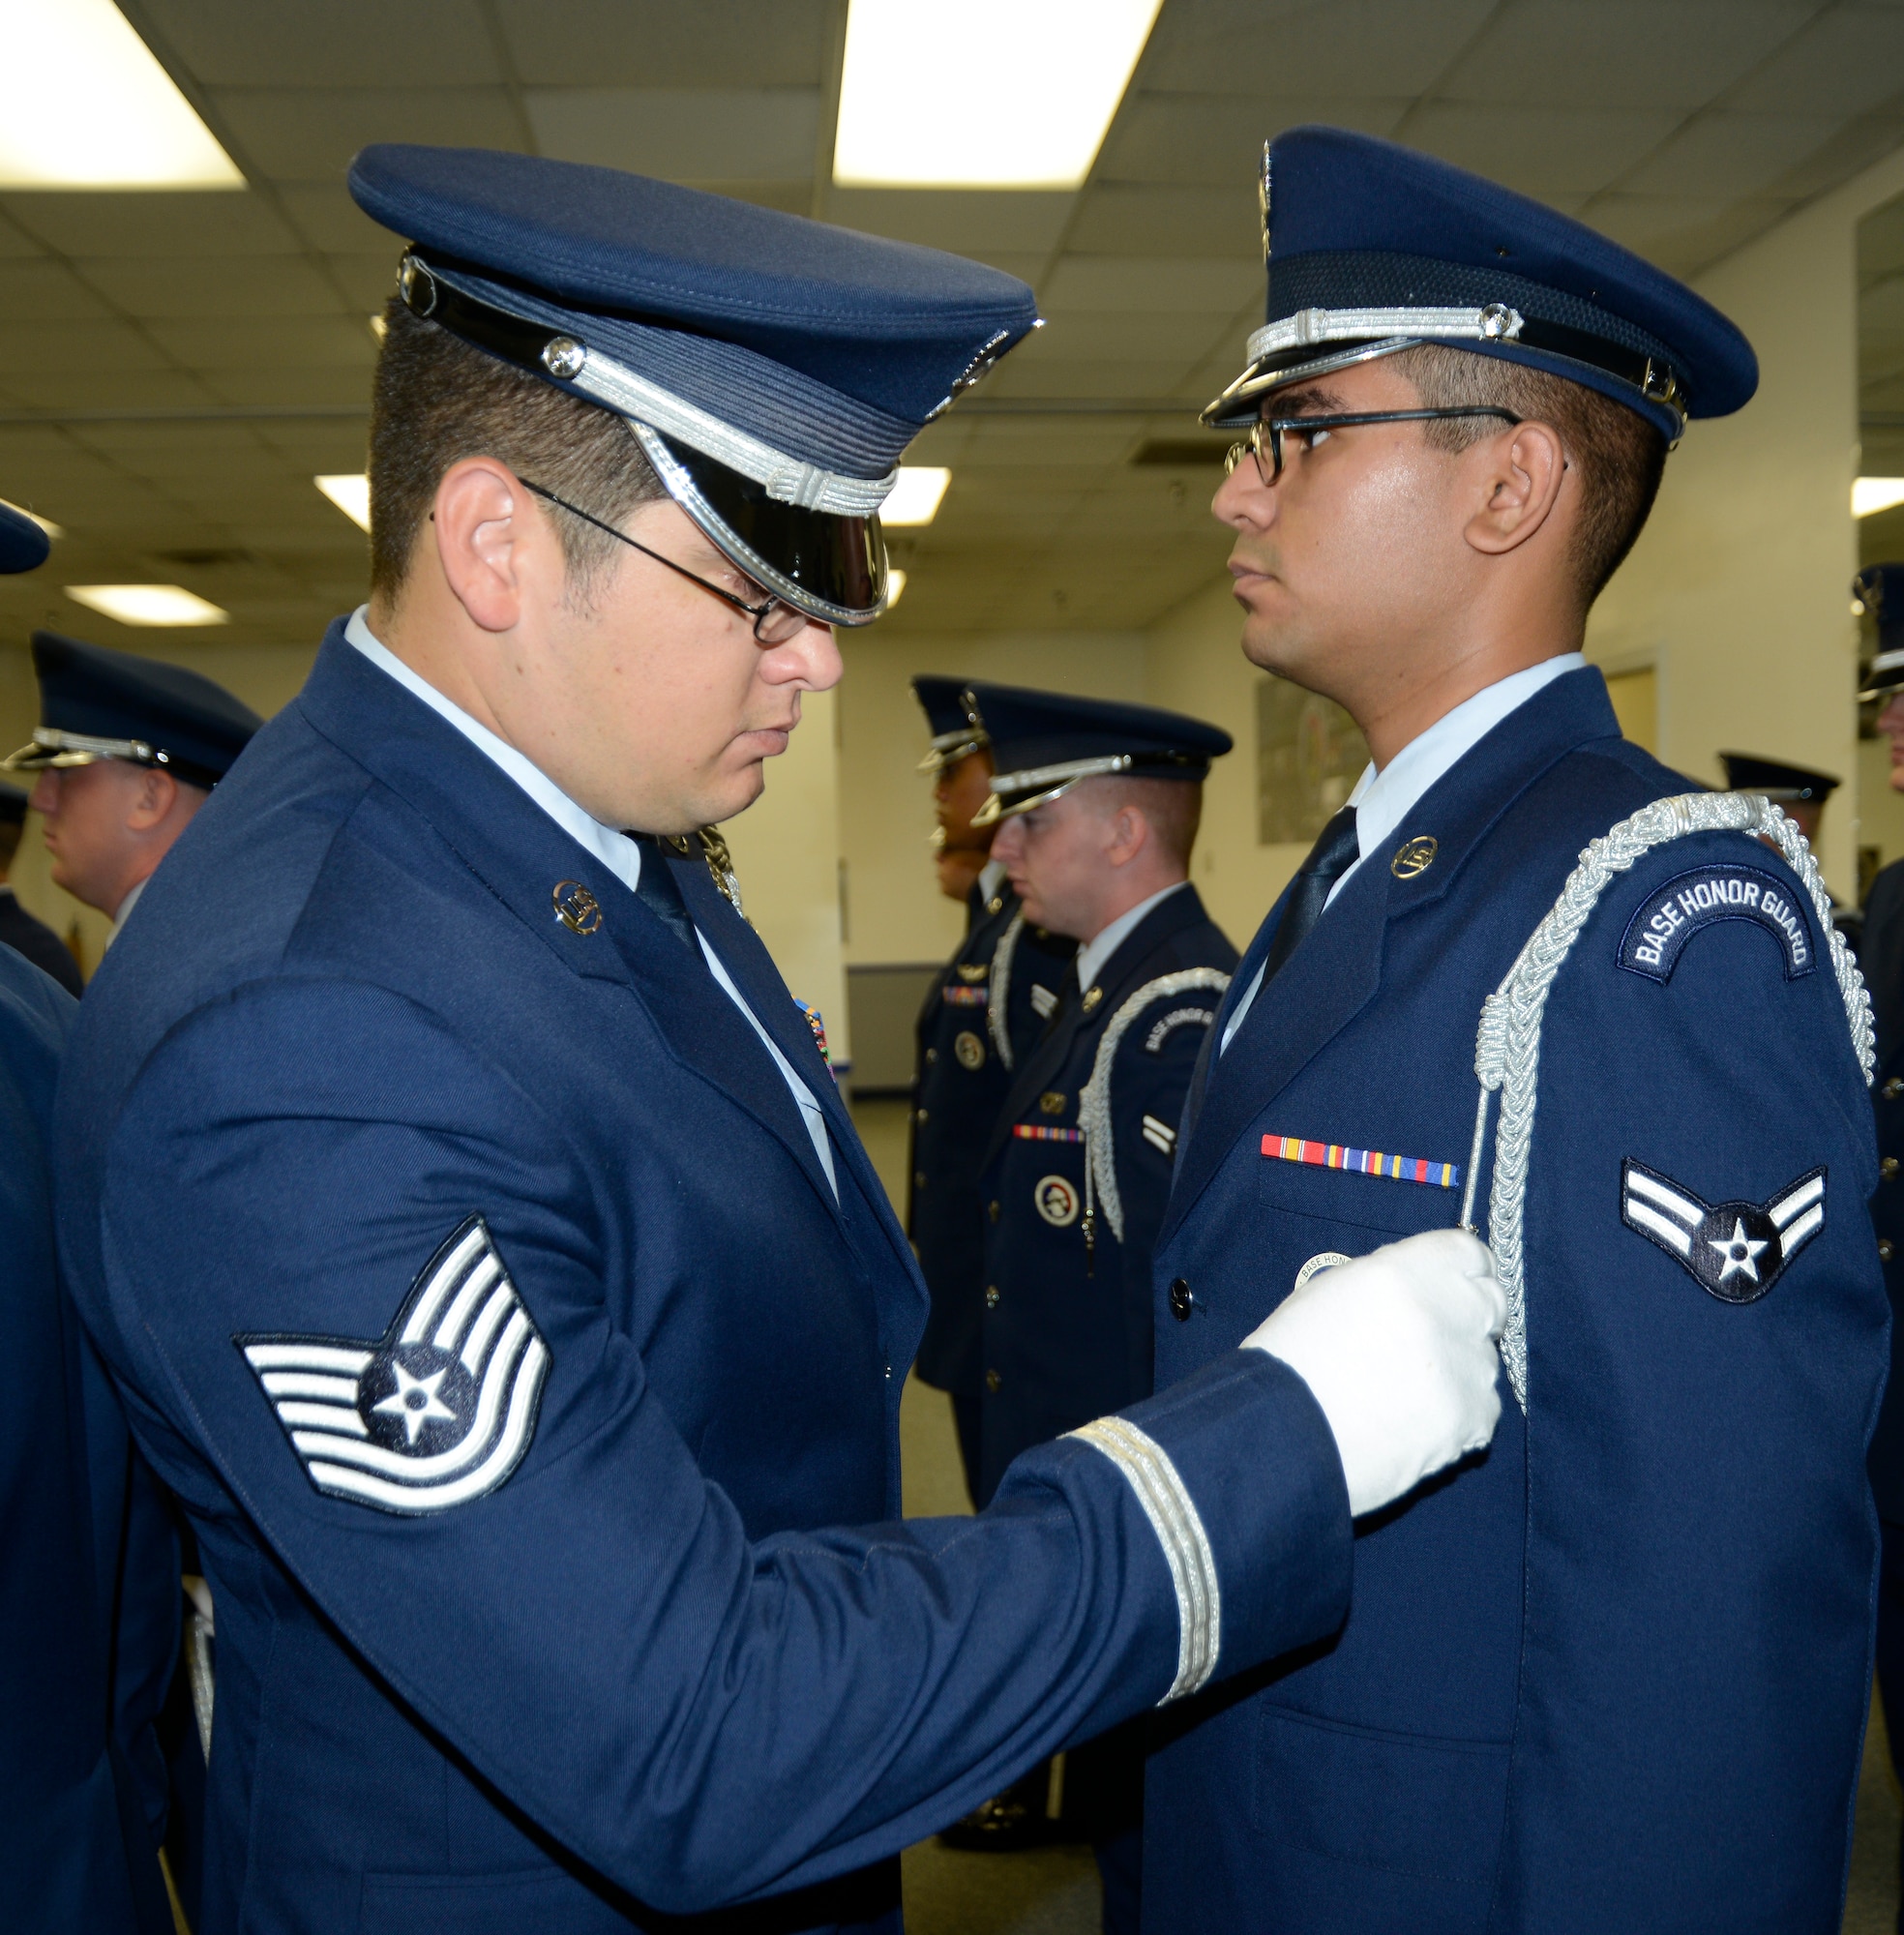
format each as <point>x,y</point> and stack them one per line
<point>775,622</point>
<point>1272,429</point>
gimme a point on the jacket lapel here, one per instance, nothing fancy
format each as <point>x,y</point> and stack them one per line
<point>1338,969</point>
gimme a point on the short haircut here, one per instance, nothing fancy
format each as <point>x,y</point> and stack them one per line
<point>1173,809</point>
<point>9,842</point>
<point>1617,456</point>
<point>435,400</point>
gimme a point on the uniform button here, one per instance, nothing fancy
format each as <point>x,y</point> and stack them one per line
<point>1893,1088</point>
<point>1887,1249</point>
<point>1180,1300</point>
<point>1888,1168</point>
<point>919,1178</point>
<point>889,1370</point>
<point>990,1296</point>
<point>931,1055</point>
<point>992,1380</point>
<point>918,1115</point>
<point>992,1208</point>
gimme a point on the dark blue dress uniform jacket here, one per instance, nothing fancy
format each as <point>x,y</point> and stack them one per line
<point>979,1020</point>
<point>1613,1674</point>
<point>640,1674</point>
<point>1067,1317</point>
<point>1882,952</point>
<point>89,1639</point>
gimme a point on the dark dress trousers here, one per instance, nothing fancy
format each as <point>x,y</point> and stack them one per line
<point>979,1021</point>
<point>88,1644</point>
<point>1614,1673</point>
<point>25,934</point>
<point>471,1276</point>
<point>1066,1312</point>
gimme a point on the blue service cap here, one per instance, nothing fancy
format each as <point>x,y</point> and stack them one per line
<point>1372,247</point>
<point>96,703</point>
<point>1878,592</point>
<point>956,727</point>
<point>23,545</point>
<point>1747,772</point>
<point>1043,743</point>
<point>774,368</point>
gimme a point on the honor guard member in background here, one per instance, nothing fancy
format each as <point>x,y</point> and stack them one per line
<point>128,749</point>
<point>1100,803</point>
<point>88,1644</point>
<point>1879,593</point>
<point>1575,1670</point>
<point>472,1223</point>
<point>1798,791</point>
<point>18,928</point>
<point>978,1020</point>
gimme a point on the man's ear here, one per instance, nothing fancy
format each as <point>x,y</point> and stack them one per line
<point>1520,475</point>
<point>491,541</point>
<point>151,800</point>
<point>1130,835</point>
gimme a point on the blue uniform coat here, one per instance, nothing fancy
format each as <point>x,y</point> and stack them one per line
<point>626,1665</point>
<point>980,1019</point>
<point>1882,952</point>
<point>89,1643</point>
<point>1067,1322</point>
<point>1614,1673</point>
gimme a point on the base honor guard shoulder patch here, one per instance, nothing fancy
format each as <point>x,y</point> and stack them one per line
<point>1735,1250</point>
<point>437,1411</point>
<point>1671,915</point>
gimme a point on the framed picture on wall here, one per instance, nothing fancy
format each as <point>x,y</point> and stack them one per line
<point>1309,756</point>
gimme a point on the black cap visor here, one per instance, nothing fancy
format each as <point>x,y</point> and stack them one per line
<point>832,568</point>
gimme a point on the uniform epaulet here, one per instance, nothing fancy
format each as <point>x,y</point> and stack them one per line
<point>1507,1045</point>
<point>997,1014</point>
<point>1095,1099</point>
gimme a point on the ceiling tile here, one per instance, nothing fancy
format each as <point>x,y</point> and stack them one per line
<point>1131,218</point>
<point>218,285</point>
<point>968,221</point>
<point>1848,60</point>
<point>216,222</point>
<point>1621,53</point>
<point>327,219</point>
<point>663,44</point>
<point>232,342</point>
<point>310,135</point>
<point>1217,138</point>
<point>1681,233</point>
<point>1726,155</point>
<point>1120,336</point>
<point>681,133</point>
<point>66,348</point>
<point>339,44</point>
<point>1334,47</point>
<point>1155,284</point>
<point>46,289</point>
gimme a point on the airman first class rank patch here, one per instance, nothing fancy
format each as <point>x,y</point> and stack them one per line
<point>1667,919</point>
<point>440,1411</point>
<point>1735,1250</point>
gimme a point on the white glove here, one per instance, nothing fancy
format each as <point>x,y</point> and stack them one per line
<point>1398,1350</point>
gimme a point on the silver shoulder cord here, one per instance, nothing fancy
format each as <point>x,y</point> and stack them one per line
<point>1095,1099</point>
<point>1507,1045</point>
<point>997,1022</point>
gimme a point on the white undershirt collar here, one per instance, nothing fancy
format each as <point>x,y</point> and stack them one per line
<point>1097,951</point>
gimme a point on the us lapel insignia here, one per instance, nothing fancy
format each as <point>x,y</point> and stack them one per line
<point>1093,995</point>
<point>1735,1250</point>
<point>437,1411</point>
<point>1414,856</point>
<point>575,908</point>
<point>1050,1103</point>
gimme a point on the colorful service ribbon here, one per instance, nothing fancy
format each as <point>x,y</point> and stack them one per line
<point>964,998</point>
<point>1363,1162</point>
<point>1036,1132</point>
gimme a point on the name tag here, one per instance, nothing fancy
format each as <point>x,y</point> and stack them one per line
<point>1657,934</point>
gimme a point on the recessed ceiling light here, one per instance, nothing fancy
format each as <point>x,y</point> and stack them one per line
<point>927,100</point>
<point>1871,495</point>
<point>83,104</point>
<point>350,493</point>
<point>914,498</point>
<point>148,604</point>
<point>895,584</point>
<point>46,525</point>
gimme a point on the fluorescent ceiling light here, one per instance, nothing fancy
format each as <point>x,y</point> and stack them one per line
<point>84,104</point>
<point>1870,495</point>
<point>148,604</point>
<point>895,584</point>
<point>350,494</point>
<point>914,498</point>
<point>932,98</point>
<point>46,525</point>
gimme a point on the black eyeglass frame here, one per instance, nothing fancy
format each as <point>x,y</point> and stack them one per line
<point>1276,428</point>
<point>759,613</point>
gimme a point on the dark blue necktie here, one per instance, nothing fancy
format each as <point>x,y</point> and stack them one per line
<point>1334,852</point>
<point>659,892</point>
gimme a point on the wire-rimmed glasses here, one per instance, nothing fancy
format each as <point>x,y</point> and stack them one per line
<point>1272,429</point>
